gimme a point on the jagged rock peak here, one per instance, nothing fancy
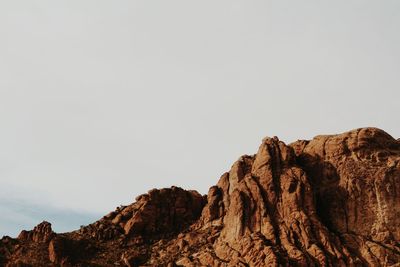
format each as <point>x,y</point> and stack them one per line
<point>158,213</point>
<point>329,201</point>
<point>41,233</point>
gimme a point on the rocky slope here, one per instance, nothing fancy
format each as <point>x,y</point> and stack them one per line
<point>331,201</point>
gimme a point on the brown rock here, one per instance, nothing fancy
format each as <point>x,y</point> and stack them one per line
<point>330,201</point>
<point>41,233</point>
<point>164,211</point>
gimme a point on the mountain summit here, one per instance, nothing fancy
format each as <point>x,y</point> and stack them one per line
<point>330,201</point>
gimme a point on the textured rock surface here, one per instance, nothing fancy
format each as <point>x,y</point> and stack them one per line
<point>331,201</point>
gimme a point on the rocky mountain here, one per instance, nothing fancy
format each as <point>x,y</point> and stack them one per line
<point>330,201</point>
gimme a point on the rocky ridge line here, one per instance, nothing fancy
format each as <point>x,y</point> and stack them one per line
<point>330,201</point>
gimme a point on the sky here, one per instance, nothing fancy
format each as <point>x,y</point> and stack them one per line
<point>101,101</point>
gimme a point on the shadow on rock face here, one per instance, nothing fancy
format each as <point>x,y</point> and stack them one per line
<point>330,201</point>
<point>329,196</point>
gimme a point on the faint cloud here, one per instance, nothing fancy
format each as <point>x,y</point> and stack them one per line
<point>18,215</point>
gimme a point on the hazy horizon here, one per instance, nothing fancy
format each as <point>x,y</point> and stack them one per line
<point>102,101</point>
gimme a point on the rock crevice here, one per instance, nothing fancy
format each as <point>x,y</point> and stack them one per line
<point>329,201</point>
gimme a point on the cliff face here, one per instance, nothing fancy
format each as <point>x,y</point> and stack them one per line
<point>331,201</point>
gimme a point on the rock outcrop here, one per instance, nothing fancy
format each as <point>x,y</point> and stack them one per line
<point>41,233</point>
<point>330,201</point>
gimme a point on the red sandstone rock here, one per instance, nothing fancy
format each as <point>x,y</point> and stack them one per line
<point>41,233</point>
<point>331,201</point>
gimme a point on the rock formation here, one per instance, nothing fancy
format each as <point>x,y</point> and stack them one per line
<point>330,201</point>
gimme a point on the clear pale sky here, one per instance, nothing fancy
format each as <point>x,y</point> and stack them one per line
<point>103,100</point>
